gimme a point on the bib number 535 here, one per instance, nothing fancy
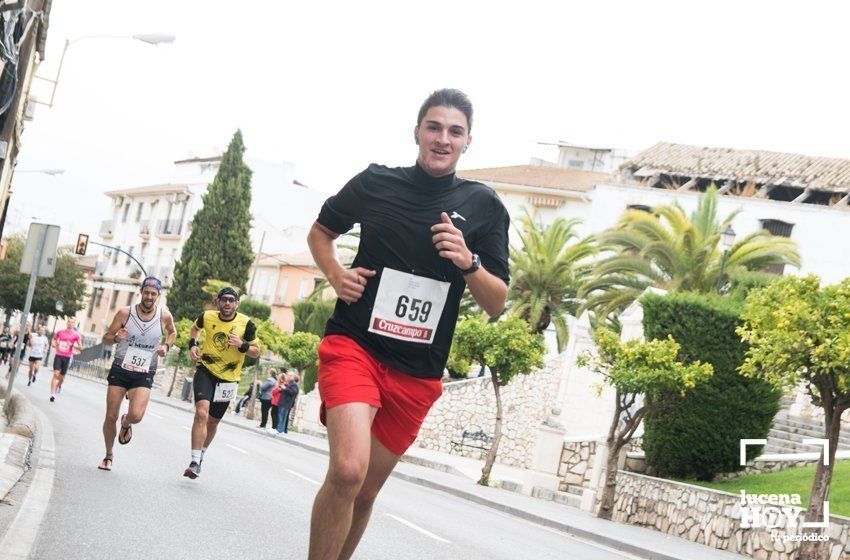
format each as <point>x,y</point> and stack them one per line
<point>413,309</point>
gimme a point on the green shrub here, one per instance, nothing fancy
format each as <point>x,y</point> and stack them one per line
<point>255,309</point>
<point>698,436</point>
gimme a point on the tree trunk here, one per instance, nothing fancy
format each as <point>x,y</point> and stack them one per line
<point>815,550</point>
<point>497,434</point>
<point>253,400</point>
<point>609,491</point>
<point>174,375</point>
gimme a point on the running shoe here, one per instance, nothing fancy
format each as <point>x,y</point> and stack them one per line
<point>52,398</point>
<point>193,471</point>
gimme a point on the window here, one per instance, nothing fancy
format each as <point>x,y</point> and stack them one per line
<point>115,256</point>
<point>779,229</point>
<point>576,164</point>
<point>99,297</point>
<point>305,288</point>
<point>130,250</point>
<point>129,298</point>
<point>283,282</point>
<point>114,300</point>
<point>126,211</point>
<point>139,211</point>
<point>142,250</point>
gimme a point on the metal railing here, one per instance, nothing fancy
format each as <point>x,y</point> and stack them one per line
<point>145,227</point>
<point>168,227</point>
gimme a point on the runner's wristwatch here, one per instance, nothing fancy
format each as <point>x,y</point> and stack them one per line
<point>476,264</point>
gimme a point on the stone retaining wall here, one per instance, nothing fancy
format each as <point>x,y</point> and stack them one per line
<point>711,517</point>
<point>576,464</point>
<point>471,405</point>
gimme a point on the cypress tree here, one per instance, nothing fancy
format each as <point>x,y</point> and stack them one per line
<point>219,246</point>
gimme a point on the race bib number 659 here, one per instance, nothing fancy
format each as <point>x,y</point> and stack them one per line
<point>408,307</point>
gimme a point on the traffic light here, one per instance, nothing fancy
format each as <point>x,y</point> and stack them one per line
<point>82,244</point>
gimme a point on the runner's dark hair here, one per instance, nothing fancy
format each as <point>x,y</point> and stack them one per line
<point>448,97</point>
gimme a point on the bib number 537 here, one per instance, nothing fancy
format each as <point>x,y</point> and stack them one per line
<point>413,309</point>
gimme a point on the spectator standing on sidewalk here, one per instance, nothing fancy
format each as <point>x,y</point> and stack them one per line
<point>288,397</point>
<point>5,345</point>
<point>277,396</point>
<point>265,396</point>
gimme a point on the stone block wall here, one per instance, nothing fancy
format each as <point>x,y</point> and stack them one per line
<point>471,405</point>
<point>576,464</point>
<point>710,517</point>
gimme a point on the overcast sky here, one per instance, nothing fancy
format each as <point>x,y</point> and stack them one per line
<point>334,86</point>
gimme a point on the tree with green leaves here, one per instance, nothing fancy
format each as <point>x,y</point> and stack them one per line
<point>181,343</point>
<point>67,284</point>
<point>509,349</point>
<point>669,249</point>
<point>636,369</point>
<point>255,309</point>
<point>301,351</point>
<point>799,333</point>
<point>220,243</point>
<point>547,272</point>
<point>312,315</point>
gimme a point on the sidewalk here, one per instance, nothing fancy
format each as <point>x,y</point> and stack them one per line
<point>458,475</point>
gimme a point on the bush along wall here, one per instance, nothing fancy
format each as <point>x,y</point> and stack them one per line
<point>698,436</point>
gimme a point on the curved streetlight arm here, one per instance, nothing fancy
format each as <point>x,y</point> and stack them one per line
<point>151,39</point>
<point>120,250</point>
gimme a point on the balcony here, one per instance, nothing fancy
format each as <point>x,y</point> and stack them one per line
<point>145,229</point>
<point>107,228</point>
<point>169,228</point>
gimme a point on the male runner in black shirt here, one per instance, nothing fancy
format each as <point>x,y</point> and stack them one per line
<point>425,236</point>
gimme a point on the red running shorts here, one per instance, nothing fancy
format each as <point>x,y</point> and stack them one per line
<point>349,374</point>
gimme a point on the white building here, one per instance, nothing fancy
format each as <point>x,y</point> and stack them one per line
<point>584,158</point>
<point>797,196</point>
<point>153,223</point>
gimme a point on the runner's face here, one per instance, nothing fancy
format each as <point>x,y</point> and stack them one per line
<point>227,305</point>
<point>70,324</point>
<point>149,297</point>
<point>442,134</point>
<point>40,331</point>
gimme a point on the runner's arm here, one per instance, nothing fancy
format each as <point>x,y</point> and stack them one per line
<point>489,291</point>
<point>170,330</point>
<point>348,284</point>
<point>118,323</point>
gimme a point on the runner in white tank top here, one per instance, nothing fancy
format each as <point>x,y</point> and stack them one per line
<point>138,330</point>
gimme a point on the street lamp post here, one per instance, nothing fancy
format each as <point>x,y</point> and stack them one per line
<point>727,239</point>
<point>149,38</point>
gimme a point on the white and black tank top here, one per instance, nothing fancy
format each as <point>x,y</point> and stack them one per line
<point>137,352</point>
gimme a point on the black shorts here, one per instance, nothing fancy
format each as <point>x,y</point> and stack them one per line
<point>36,358</point>
<point>120,377</point>
<point>203,386</point>
<point>61,363</point>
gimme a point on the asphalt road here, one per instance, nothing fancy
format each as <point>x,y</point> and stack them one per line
<point>252,500</point>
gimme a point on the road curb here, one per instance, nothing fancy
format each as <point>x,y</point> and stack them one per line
<point>22,416</point>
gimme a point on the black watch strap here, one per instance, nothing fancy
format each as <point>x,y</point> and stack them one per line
<point>476,264</point>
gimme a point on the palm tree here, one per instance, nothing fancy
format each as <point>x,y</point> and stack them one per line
<point>547,272</point>
<point>668,249</point>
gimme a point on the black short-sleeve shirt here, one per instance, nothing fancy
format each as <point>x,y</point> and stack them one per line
<point>396,208</point>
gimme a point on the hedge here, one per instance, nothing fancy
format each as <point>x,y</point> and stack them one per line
<point>699,435</point>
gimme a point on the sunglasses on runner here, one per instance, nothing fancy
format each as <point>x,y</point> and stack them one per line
<point>227,299</point>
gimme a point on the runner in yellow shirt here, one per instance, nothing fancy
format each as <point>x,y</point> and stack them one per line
<point>229,337</point>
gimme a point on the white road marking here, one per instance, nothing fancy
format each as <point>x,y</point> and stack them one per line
<point>22,532</point>
<point>157,416</point>
<point>236,448</point>
<point>299,475</point>
<point>417,528</point>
